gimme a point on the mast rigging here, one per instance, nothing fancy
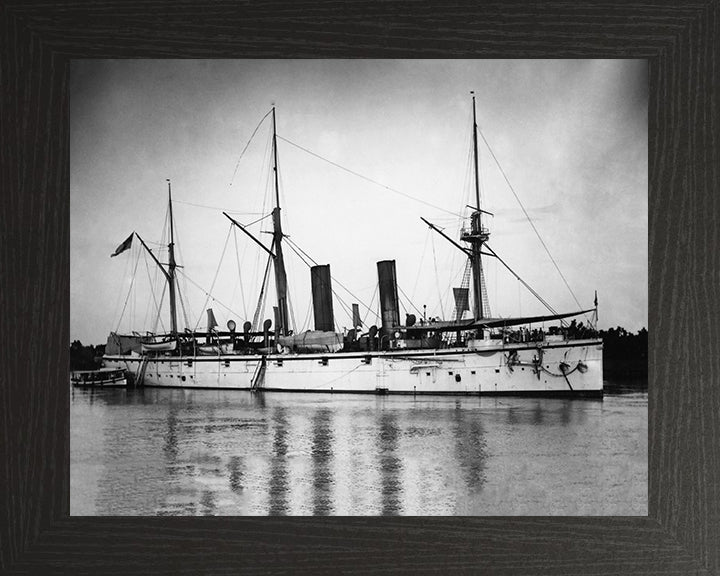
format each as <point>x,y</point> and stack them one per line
<point>171,267</point>
<point>477,235</point>
<point>279,262</point>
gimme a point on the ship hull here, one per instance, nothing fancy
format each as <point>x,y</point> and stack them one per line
<point>567,368</point>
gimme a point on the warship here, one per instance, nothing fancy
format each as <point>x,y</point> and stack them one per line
<point>470,353</point>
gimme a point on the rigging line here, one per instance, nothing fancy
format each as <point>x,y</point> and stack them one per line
<point>467,186</point>
<point>176,201</point>
<point>183,301</point>
<point>342,302</point>
<point>343,305</point>
<point>306,322</point>
<point>159,316</point>
<point>128,264</point>
<point>409,301</point>
<point>422,259</point>
<point>237,258</point>
<point>181,293</point>
<point>208,294</point>
<point>182,304</point>
<point>261,300</point>
<point>259,219</point>
<point>291,243</point>
<point>287,238</point>
<point>299,255</point>
<point>447,295</point>
<point>345,308</point>
<point>368,179</point>
<point>532,291</point>
<point>248,144</point>
<point>217,271</point>
<point>528,218</point>
<point>291,310</point>
<point>377,287</point>
<point>148,308</point>
<point>402,305</point>
<point>152,292</point>
<point>127,298</point>
<point>261,305</point>
<point>437,276</point>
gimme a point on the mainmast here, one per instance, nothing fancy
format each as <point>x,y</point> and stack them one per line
<point>477,235</point>
<point>280,276</point>
<point>171,266</point>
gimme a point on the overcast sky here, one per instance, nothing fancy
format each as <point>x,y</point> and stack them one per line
<point>571,136</point>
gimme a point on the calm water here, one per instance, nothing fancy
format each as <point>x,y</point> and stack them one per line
<point>193,452</point>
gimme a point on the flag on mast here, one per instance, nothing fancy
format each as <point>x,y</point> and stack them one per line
<point>596,310</point>
<point>124,246</point>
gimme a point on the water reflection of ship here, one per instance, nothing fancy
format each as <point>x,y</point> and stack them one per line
<point>291,460</point>
<point>395,478</point>
<point>278,485</point>
<point>390,464</point>
<point>470,448</point>
<point>322,453</point>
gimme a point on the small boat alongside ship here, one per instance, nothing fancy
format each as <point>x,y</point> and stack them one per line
<point>101,378</point>
<point>471,353</point>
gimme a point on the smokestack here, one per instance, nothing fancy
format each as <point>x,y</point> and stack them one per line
<point>389,307</point>
<point>357,323</point>
<point>322,298</point>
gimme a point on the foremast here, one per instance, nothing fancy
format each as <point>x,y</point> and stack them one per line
<point>477,235</point>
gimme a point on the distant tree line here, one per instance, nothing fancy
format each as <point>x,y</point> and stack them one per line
<point>625,355</point>
<point>85,357</point>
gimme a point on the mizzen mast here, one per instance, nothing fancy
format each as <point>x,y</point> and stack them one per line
<point>477,235</point>
<point>279,263</point>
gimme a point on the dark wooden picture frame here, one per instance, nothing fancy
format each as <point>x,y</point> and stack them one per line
<point>681,535</point>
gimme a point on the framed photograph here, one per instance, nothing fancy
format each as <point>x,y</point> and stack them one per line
<point>62,65</point>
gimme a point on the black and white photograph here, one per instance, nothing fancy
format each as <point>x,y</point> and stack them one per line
<point>358,287</point>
